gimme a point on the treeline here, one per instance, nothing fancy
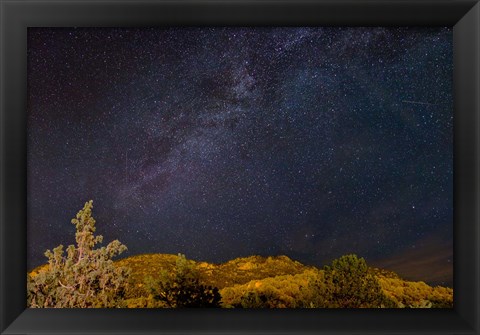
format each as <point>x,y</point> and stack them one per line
<point>85,276</point>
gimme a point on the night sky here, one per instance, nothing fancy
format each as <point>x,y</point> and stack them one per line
<point>222,142</point>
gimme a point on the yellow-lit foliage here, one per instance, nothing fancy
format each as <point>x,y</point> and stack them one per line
<point>416,294</point>
<point>269,282</point>
<point>143,266</point>
<point>243,270</point>
<point>182,287</point>
<point>286,291</point>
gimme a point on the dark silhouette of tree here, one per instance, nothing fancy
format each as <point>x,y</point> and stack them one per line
<point>182,287</point>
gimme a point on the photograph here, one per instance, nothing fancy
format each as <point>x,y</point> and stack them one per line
<point>297,167</point>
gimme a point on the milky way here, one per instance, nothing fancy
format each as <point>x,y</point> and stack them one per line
<point>227,142</point>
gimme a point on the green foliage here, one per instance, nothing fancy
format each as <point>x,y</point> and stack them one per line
<point>254,299</point>
<point>182,288</point>
<point>84,276</point>
<point>348,284</point>
<point>143,266</point>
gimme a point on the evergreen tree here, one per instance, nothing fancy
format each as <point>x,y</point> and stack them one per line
<point>348,284</point>
<point>84,276</point>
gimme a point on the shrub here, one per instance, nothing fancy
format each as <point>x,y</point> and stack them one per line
<point>348,284</point>
<point>408,294</point>
<point>285,291</point>
<point>182,287</point>
<point>84,276</point>
<point>256,299</point>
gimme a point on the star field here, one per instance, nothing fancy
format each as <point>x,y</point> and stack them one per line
<point>226,142</point>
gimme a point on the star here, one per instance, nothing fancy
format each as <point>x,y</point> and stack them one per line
<point>220,142</point>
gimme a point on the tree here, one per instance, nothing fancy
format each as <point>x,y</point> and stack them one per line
<point>84,276</point>
<point>348,284</point>
<point>182,287</point>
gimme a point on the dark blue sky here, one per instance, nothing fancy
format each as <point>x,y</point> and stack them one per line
<point>227,142</point>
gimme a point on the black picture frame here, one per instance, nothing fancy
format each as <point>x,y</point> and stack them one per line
<point>16,16</point>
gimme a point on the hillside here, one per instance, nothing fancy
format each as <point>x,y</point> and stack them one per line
<point>88,277</point>
<point>236,271</point>
<point>279,280</point>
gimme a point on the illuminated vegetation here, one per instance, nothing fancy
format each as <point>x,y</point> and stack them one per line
<point>86,276</point>
<point>348,284</point>
<point>253,283</point>
<point>416,294</point>
<point>182,288</point>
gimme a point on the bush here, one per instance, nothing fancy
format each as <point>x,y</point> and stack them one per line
<point>255,299</point>
<point>286,291</point>
<point>348,284</point>
<point>142,302</point>
<point>416,294</point>
<point>182,287</point>
<point>84,276</point>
